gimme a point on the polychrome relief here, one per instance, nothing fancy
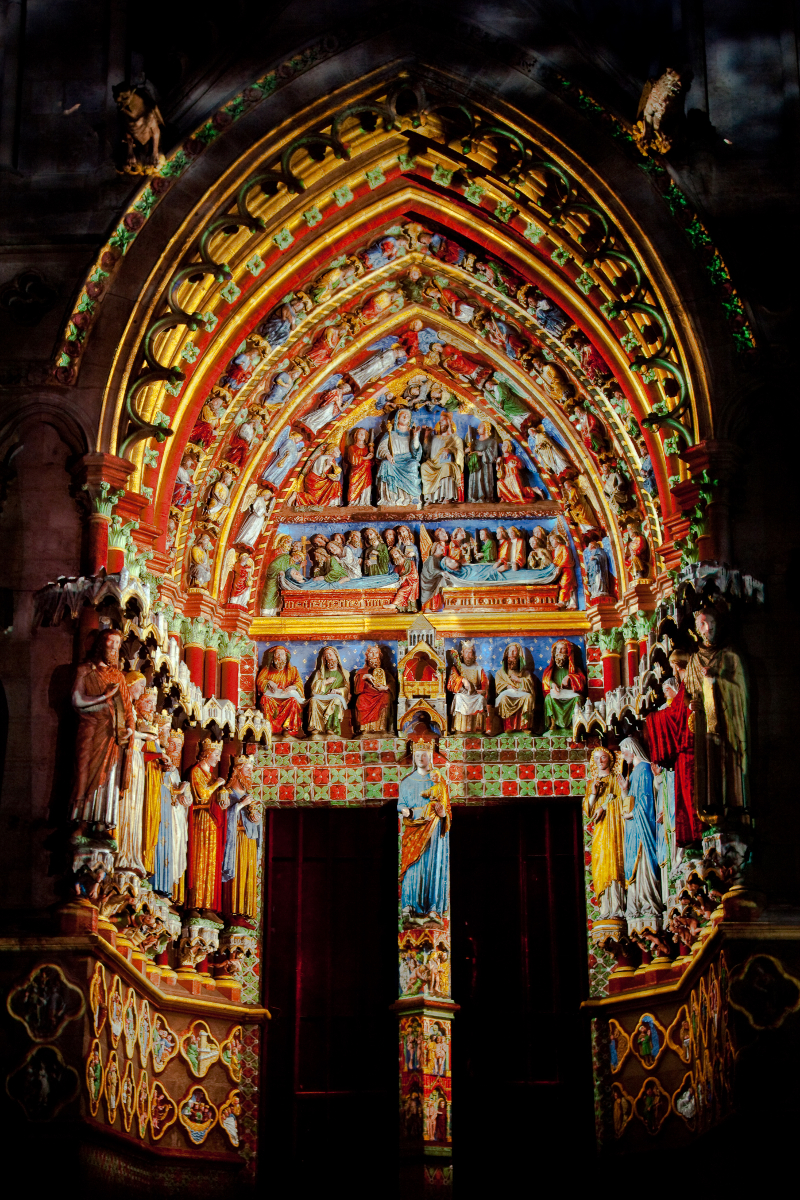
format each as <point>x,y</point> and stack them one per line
<point>163,1110</point>
<point>94,1076</point>
<point>197,1115</point>
<point>143,1104</point>
<point>199,1048</point>
<point>652,1105</point>
<point>704,1014</point>
<point>437,1047</point>
<point>164,1043</point>
<point>144,1033</point>
<point>618,1045</point>
<point>229,1113</point>
<point>679,1035</point>
<point>231,1053</point>
<point>127,1096</point>
<point>130,1022</point>
<point>112,1087</point>
<point>764,991</point>
<point>622,1109</point>
<point>98,999</point>
<point>437,1114</point>
<point>45,1003</point>
<point>115,1011</point>
<point>43,1083</point>
<point>648,1040</point>
<point>684,1101</point>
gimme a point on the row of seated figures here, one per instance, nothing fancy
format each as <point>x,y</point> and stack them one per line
<point>331,703</point>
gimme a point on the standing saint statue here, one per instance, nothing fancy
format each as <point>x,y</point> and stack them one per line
<point>603,808</point>
<point>515,698</point>
<point>242,843</point>
<point>482,455</point>
<point>563,684</point>
<point>280,693</point>
<point>330,695</point>
<point>424,805</point>
<point>169,857</point>
<point>717,686</point>
<point>399,453</point>
<point>106,723</point>
<point>670,737</point>
<point>374,692</point>
<point>132,797</point>
<point>359,455</point>
<point>442,473</point>
<point>644,905</point>
<point>469,684</point>
<point>206,830</point>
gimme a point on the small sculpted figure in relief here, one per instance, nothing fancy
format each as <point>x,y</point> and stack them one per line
<point>469,685</point>
<point>352,555</point>
<point>637,551</point>
<point>482,455</point>
<point>218,500</point>
<point>141,122</point>
<point>169,858</point>
<point>540,555</point>
<point>252,526</point>
<point>280,693</point>
<point>603,808</point>
<point>510,488</point>
<point>374,691</point>
<point>424,805</point>
<point>563,684</point>
<point>406,598</point>
<point>200,557</point>
<point>598,571</point>
<point>184,489</point>
<point>644,905</point>
<point>206,830</point>
<point>330,695</point>
<point>274,576</point>
<point>321,485</point>
<point>515,697</point>
<point>360,456</point>
<point>399,453</point>
<point>442,473</point>
<point>241,580</point>
<point>567,583</point>
<point>106,724</point>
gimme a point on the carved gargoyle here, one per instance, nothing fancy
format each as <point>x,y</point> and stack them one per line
<point>660,106</point>
<point>141,122</point>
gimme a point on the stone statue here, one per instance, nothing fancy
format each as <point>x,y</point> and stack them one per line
<point>670,737</point>
<point>330,695</point>
<point>141,122</point>
<point>374,691</point>
<point>242,842</point>
<point>200,562</point>
<point>424,805</point>
<point>660,105</point>
<point>603,808</point>
<point>644,904</point>
<point>206,830</point>
<point>399,453</point>
<point>515,698</point>
<point>482,454</point>
<point>280,693</point>
<point>106,724</point>
<point>469,684</point>
<point>563,684</point>
<point>442,473</point>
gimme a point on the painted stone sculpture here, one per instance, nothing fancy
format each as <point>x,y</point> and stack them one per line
<point>330,695</point>
<point>469,685</point>
<point>242,843</point>
<point>132,796</point>
<point>563,684</point>
<point>603,808</point>
<point>515,697</point>
<point>642,873</point>
<point>374,692</point>
<point>424,805</point>
<point>280,690</point>
<point>206,829</point>
<point>670,736</point>
<point>399,453</point>
<point>106,724</point>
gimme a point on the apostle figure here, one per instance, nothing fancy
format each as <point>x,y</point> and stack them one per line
<point>399,453</point>
<point>442,473</point>
<point>352,554</point>
<point>637,551</point>
<point>169,857</point>
<point>252,526</point>
<point>376,557</point>
<point>321,485</point>
<point>515,697</point>
<point>281,385</point>
<point>510,488</point>
<point>276,570</point>
<point>374,692</point>
<point>280,693</point>
<point>670,736</point>
<point>563,684</point>
<point>405,564</point>
<point>218,500</point>
<point>206,830</point>
<point>377,365</point>
<point>132,797</point>
<point>242,440</point>
<point>286,456</point>
<point>539,556</point>
<point>205,427</point>
<point>106,724</point>
<point>481,458</point>
<point>510,549</point>
<point>567,583</point>
<point>360,455</point>
<point>183,491</point>
<point>330,695</point>
<point>332,403</point>
<point>242,843</point>
<point>598,572</point>
<point>717,686</point>
<point>603,808</point>
<point>424,805</point>
<point>278,325</point>
<point>469,684</point>
<point>644,905</point>
<point>487,547</point>
<point>547,452</point>
<point>200,562</point>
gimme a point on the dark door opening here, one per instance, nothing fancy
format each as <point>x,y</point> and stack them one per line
<point>521,1051</point>
<point>330,972</point>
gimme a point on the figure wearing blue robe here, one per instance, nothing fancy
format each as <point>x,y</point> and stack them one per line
<point>642,870</point>
<point>277,326</point>
<point>598,575</point>
<point>252,830</point>
<point>398,474</point>
<point>425,884</point>
<point>163,877</point>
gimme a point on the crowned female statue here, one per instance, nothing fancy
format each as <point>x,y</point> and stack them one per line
<point>424,805</point>
<point>206,829</point>
<point>603,809</point>
<point>644,904</point>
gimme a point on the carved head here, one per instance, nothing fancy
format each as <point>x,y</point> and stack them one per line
<point>423,758</point>
<point>706,624</point>
<point>360,436</point>
<point>603,758</point>
<point>279,658</point>
<point>396,556</point>
<point>372,537</point>
<point>484,430</point>
<point>354,539</point>
<point>561,654</point>
<point>402,421</point>
<point>390,537</point>
<point>513,656</point>
<point>136,684</point>
<point>404,535</point>
<point>107,646</point>
<point>210,752</point>
<point>508,448</point>
<point>468,654</point>
<point>372,655</point>
<point>330,658</point>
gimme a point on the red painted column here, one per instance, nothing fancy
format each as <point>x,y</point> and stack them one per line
<point>210,672</point>
<point>611,670</point>
<point>631,660</point>
<point>193,656</point>
<point>96,543</point>
<point>116,560</point>
<point>229,680</point>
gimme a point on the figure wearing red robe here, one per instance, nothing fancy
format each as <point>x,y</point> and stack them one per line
<point>360,456</point>
<point>321,486</point>
<point>510,488</point>
<point>280,693</point>
<point>461,365</point>
<point>671,740</point>
<point>206,830</point>
<point>374,692</point>
<point>205,428</point>
<point>567,584</point>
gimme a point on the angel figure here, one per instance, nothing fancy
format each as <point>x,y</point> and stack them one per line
<point>241,571</point>
<point>218,500</point>
<point>660,106</point>
<point>256,505</point>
